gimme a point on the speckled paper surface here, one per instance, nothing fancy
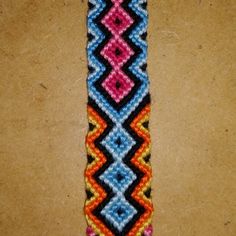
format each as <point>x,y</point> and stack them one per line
<point>43,117</point>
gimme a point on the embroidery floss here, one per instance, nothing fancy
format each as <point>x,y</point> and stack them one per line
<point>118,172</point>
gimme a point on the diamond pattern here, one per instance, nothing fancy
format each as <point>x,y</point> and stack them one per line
<point>118,177</point>
<point>117,20</point>
<point>117,52</point>
<point>118,85</point>
<point>118,143</point>
<point>119,212</point>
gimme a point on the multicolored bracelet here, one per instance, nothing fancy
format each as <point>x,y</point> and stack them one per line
<point>118,172</point>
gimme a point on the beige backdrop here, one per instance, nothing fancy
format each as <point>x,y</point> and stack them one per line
<point>43,117</point>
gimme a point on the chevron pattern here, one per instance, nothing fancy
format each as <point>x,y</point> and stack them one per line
<point>118,172</point>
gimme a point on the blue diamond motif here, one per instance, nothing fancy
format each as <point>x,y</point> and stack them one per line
<point>118,177</point>
<point>119,212</point>
<point>118,143</point>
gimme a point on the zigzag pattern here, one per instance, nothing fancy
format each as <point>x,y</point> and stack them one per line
<point>118,172</point>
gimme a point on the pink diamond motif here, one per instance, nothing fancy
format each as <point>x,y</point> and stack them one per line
<point>118,85</point>
<point>117,52</point>
<point>117,20</point>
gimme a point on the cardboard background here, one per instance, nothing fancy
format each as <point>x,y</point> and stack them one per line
<point>43,117</point>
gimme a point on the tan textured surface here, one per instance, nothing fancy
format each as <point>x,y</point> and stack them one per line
<point>43,117</point>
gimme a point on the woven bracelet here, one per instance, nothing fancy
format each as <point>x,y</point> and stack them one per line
<point>118,172</point>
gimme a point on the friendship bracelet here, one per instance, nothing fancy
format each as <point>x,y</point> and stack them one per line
<point>118,172</point>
